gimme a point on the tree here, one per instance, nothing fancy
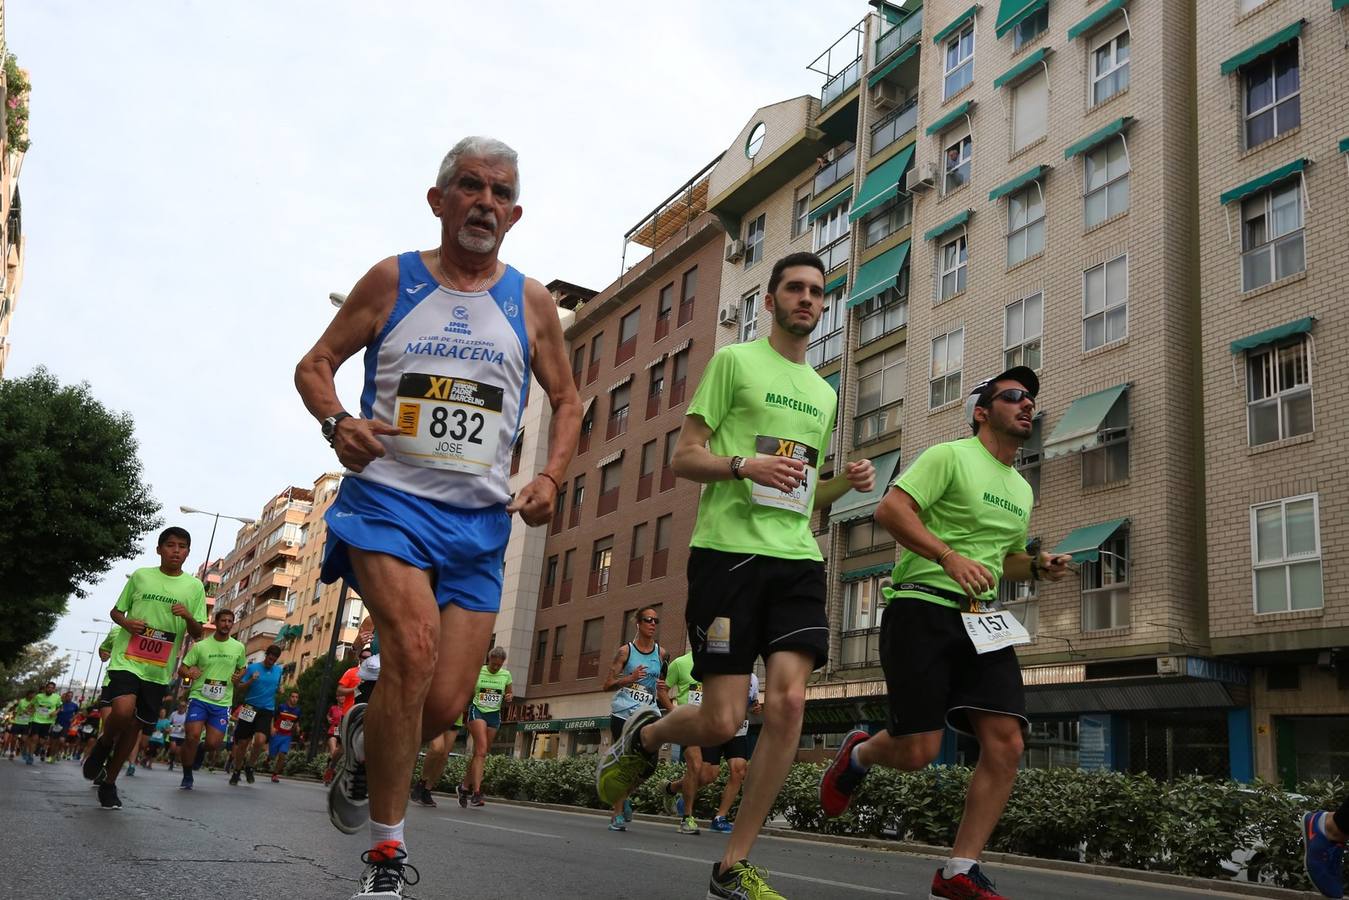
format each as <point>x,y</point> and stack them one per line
<point>73,501</point>
<point>311,680</point>
<point>34,666</point>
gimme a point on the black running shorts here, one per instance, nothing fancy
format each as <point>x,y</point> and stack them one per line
<point>736,748</point>
<point>149,695</point>
<point>261,724</point>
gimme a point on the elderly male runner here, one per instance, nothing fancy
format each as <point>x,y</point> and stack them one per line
<point>420,524</point>
<point>961,512</point>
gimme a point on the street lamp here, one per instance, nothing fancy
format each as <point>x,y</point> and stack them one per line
<point>215,520</point>
<point>99,637</point>
<point>337,299</point>
<point>75,666</point>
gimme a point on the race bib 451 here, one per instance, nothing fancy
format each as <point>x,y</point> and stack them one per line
<point>448,423</point>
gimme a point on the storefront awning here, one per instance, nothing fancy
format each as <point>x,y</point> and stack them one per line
<point>1012,13</point>
<point>1021,68</point>
<point>1019,181</point>
<point>1084,544</point>
<point>882,184</point>
<point>950,224</point>
<point>858,505</point>
<point>1273,335</point>
<point>877,274</point>
<point>1077,429</point>
<point>1126,696</point>
<point>868,572</point>
<point>955,25</point>
<point>1257,50</point>
<point>1095,19</point>
<point>945,121</point>
<point>1097,137</point>
<point>1255,185</point>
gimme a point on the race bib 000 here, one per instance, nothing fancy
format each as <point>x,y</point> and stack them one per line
<point>153,647</point>
<point>990,631</point>
<point>797,500</point>
<point>448,423</point>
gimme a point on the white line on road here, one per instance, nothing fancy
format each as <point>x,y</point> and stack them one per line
<point>459,821</point>
<point>779,874</point>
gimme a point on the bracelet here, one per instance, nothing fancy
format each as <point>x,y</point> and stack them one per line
<point>945,553</point>
<point>552,479</point>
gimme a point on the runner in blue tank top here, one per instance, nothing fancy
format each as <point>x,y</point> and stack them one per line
<point>420,523</point>
<point>637,674</point>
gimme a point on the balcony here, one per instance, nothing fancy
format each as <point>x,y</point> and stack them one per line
<point>608,502</point>
<point>667,479</point>
<point>555,670</point>
<point>880,322</point>
<point>677,392</point>
<point>626,351</point>
<point>583,443</point>
<point>644,485</point>
<point>894,126</point>
<point>686,311</point>
<point>273,579</point>
<point>546,595</point>
<point>841,83</point>
<point>898,36</point>
<point>662,324</point>
<point>564,591</point>
<point>576,377</point>
<point>575,514</point>
<point>873,426</point>
<point>659,560</point>
<point>653,403</point>
<point>860,649</point>
<point>588,665</point>
<point>836,254</point>
<point>598,582</point>
<point>282,550</point>
<point>618,423</point>
<point>635,566</point>
<point>825,350</point>
<point>831,174</point>
<point>559,517</point>
<point>593,372</point>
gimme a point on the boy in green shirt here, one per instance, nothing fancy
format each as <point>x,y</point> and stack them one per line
<point>158,606</point>
<point>45,706</point>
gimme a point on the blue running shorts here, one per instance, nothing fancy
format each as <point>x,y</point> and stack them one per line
<point>215,717</point>
<point>280,743</point>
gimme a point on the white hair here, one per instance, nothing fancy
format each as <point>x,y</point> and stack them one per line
<point>484,148</point>
<point>497,652</point>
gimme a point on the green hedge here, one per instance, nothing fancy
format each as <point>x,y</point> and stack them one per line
<point>1188,826</point>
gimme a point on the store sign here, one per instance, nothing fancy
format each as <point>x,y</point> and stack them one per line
<point>585,723</point>
<point>525,712</point>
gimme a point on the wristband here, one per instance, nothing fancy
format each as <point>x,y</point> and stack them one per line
<point>552,479</point>
<point>945,553</point>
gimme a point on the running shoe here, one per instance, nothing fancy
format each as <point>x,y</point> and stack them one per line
<point>627,809</point>
<point>971,885</point>
<point>101,777</point>
<point>741,882</point>
<point>626,764</point>
<point>107,796</point>
<point>28,759</point>
<point>477,799</point>
<point>131,771</point>
<point>670,802</point>
<point>186,783</point>
<point>463,795</point>
<point>1322,858</point>
<point>234,778</point>
<point>348,800</point>
<point>722,824</point>
<point>422,794</point>
<point>841,778</point>
<point>248,773</point>
<point>618,823</point>
<point>689,825</point>
<point>276,779</point>
<point>387,872</point>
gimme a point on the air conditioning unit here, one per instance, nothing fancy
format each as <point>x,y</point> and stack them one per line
<point>1169,665</point>
<point>729,316</point>
<point>290,543</point>
<point>886,96</point>
<point>735,251</point>
<point>921,178</point>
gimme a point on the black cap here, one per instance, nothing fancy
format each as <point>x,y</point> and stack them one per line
<point>981,393</point>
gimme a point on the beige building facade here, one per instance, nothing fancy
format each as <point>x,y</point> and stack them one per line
<point>11,210</point>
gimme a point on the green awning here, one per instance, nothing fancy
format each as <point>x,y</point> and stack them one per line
<point>1274,335</point>
<point>1084,544</point>
<point>1012,13</point>
<point>868,572</point>
<point>881,184</point>
<point>1255,51</point>
<point>1095,19</point>
<point>830,205</point>
<point>876,77</point>
<point>942,123</point>
<point>1097,137</point>
<point>1022,67</point>
<point>833,380</point>
<point>1339,4</point>
<point>955,221</point>
<point>1019,181</point>
<point>1344,142</point>
<point>1256,185</point>
<point>893,14</point>
<point>1077,429</point>
<point>955,26</point>
<point>875,275</point>
<point>857,505</point>
<point>835,283</point>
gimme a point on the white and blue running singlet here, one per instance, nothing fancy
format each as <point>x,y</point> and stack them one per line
<point>632,697</point>
<point>450,371</point>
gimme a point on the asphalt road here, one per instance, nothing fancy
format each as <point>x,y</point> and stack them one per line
<point>274,841</point>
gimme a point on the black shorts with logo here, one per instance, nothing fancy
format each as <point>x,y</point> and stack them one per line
<point>933,675</point>
<point>261,724</point>
<point>736,748</point>
<point>742,606</point>
<point>41,729</point>
<point>149,695</point>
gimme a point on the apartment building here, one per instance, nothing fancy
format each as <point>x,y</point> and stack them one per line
<point>11,209</point>
<point>1273,212</point>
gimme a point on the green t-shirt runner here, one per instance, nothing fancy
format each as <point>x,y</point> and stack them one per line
<point>758,403</point>
<point>23,711</point>
<point>491,689</point>
<point>219,662</point>
<point>149,596</point>
<point>45,707</point>
<point>679,681</point>
<point>979,507</point>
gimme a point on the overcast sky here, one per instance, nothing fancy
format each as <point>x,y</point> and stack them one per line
<point>203,174</point>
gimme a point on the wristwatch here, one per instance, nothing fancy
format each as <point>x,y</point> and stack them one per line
<point>737,462</point>
<point>329,426</point>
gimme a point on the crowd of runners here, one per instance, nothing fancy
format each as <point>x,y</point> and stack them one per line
<point>420,524</point>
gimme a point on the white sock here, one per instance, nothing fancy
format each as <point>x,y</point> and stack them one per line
<point>857,763</point>
<point>956,865</point>
<point>380,832</point>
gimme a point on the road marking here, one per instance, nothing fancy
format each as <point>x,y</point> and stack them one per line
<point>778,874</point>
<point>459,821</point>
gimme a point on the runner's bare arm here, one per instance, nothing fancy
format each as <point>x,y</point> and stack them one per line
<point>615,679</point>
<point>357,323</point>
<point>1054,566</point>
<point>856,476</point>
<point>898,513</point>
<point>135,626</point>
<point>694,461</point>
<point>548,355</point>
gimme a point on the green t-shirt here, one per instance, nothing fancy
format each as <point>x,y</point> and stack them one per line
<point>107,646</point>
<point>491,689</point>
<point>23,711</point>
<point>45,707</point>
<point>979,507</point>
<point>679,680</point>
<point>758,403</point>
<point>219,662</point>
<point>149,596</point>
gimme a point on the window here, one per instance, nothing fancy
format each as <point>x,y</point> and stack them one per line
<point>754,235</point>
<point>886,312</point>
<point>830,227</point>
<point>1029,455</point>
<point>290,602</point>
<point>550,571</point>
<point>1029,28</point>
<point>891,217</point>
<point>829,346</point>
<point>559,648</point>
<point>1279,392</point>
<point>655,388</point>
<point>596,348</point>
<point>619,399</point>
<point>567,559</point>
<point>601,560</point>
<point>559,506</point>
<point>540,654</point>
<point>749,316</point>
<point>592,636</point>
<point>665,302</point>
<point>956,163</point>
<point>959,71</point>
<point>865,535</point>
<point>1105,303</point>
<point>679,378</point>
<point>861,606</point>
<point>1286,551</point>
<point>1105,585</point>
<point>611,476</point>
<point>1271,235</point>
<point>1110,67</point>
<point>801,211</point>
<point>660,552</point>
<point>1273,95</point>
<point>671,441</point>
<point>688,288</point>
<point>953,262</point>
<point>1105,172</point>
<point>577,498</point>
<point>1108,460</point>
<point>1025,224</point>
<point>1018,598</point>
<point>587,427</point>
<point>1030,110</point>
<point>637,552</point>
<point>948,352</point>
<point>880,380</point>
<point>1022,324</point>
<point>648,457</point>
<point>627,336</point>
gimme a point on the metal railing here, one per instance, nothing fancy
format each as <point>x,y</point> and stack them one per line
<point>836,254</point>
<point>878,423</point>
<point>880,322</point>
<point>860,648</point>
<point>830,174</point>
<point>894,126</point>
<point>826,349</point>
<point>898,36</point>
<point>840,84</point>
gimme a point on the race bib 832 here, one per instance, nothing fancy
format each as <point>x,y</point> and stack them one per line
<point>448,423</point>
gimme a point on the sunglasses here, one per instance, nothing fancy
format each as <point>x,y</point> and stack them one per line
<point>649,620</point>
<point>1013,395</point>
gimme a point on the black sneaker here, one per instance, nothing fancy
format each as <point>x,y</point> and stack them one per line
<point>107,796</point>
<point>463,795</point>
<point>96,760</point>
<point>248,773</point>
<point>101,777</point>
<point>234,778</point>
<point>477,799</point>
<point>422,794</point>
<point>386,873</point>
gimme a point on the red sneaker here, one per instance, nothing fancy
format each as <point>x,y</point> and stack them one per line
<point>840,780</point>
<point>971,885</point>
<point>328,776</point>
<point>276,779</point>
